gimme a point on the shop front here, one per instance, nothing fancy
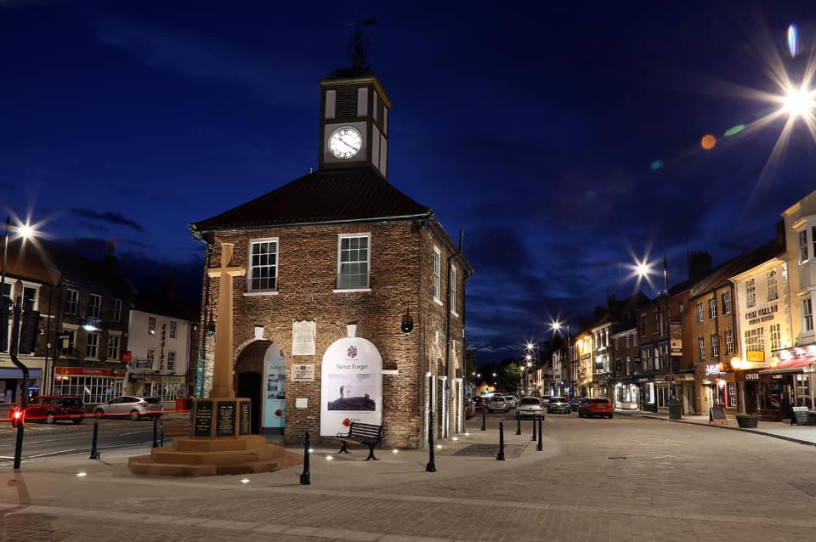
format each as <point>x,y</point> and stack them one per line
<point>93,385</point>
<point>11,381</point>
<point>626,396</point>
<point>784,383</point>
<point>648,394</point>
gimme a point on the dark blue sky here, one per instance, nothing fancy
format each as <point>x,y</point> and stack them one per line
<point>532,128</point>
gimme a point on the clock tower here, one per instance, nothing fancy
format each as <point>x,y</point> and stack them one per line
<point>354,121</point>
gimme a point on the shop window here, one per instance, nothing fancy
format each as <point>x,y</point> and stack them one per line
<point>731,396</point>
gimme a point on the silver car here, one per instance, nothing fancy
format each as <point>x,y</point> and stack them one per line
<point>511,401</point>
<point>530,406</point>
<point>131,407</point>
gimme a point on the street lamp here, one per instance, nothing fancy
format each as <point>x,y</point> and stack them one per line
<point>557,326</point>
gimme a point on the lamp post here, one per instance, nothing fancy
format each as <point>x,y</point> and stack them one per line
<point>532,347</point>
<point>557,326</point>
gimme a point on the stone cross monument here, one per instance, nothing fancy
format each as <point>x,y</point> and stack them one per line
<point>222,367</point>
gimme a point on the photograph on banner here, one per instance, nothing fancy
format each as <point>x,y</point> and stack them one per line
<point>274,408</point>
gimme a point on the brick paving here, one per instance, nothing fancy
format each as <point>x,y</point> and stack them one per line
<point>633,478</point>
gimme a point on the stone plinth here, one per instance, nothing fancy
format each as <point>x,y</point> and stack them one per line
<point>220,443</point>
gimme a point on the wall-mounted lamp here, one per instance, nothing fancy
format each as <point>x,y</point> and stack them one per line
<point>407,322</point>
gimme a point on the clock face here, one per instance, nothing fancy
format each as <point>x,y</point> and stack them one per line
<point>345,142</point>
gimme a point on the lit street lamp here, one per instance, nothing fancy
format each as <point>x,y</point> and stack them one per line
<point>557,326</point>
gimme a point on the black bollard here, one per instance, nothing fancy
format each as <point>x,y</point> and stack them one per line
<point>306,476</point>
<point>94,450</point>
<point>518,422</point>
<point>155,432</point>
<point>534,428</point>
<point>540,446</point>
<point>500,456</point>
<point>431,466</point>
<point>484,415</point>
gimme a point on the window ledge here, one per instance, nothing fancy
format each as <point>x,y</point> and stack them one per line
<point>351,290</point>
<point>261,293</point>
<point>455,314</point>
<point>438,301</point>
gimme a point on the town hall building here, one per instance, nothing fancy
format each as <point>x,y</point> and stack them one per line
<point>352,304</point>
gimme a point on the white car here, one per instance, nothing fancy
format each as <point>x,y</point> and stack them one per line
<point>511,401</point>
<point>497,404</point>
<point>530,406</point>
<point>131,407</point>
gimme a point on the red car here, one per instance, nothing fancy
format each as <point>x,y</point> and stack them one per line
<point>49,409</point>
<point>595,407</point>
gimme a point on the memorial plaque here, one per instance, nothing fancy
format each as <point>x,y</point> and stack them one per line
<point>303,338</point>
<point>225,422</point>
<point>203,418</point>
<point>303,372</point>
<point>245,426</point>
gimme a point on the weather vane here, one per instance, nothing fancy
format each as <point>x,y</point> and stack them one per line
<point>359,44</point>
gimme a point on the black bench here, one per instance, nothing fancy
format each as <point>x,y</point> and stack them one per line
<point>361,433</point>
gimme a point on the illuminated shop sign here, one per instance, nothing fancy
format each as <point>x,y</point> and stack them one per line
<point>713,369</point>
<point>762,314</point>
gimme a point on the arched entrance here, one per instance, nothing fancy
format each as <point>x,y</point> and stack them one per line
<point>260,374</point>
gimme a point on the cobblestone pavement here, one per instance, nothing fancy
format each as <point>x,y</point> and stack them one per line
<point>630,478</point>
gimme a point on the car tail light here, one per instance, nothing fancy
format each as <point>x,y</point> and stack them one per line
<point>143,404</point>
<point>18,414</point>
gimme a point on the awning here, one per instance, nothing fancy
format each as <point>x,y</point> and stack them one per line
<point>17,373</point>
<point>793,365</point>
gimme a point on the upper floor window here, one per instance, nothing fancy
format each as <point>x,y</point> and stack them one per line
<point>803,246</point>
<point>776,336</point>
<point>171,360</point>
<point>699,313</point>
<point>151,325</point>
<point>354,261</point>
<point>658,324</point>
<point>263,270</point>
<point>150,357</point>
<point>68,342</point>
<point>750,293</point>
<point>712,307</point>
<point>726,302</point>
<point>729,341</point>
<point>116,310</point>
<point>92,345</point>
<point>172,331</point>
<point>715,346</point>
<point>437,275</point>
<point>773,289</point>
<point>71,301</point>
<point>453,281</point>
<point>701,340</point>
<point>94,306</point>
<point>113,347</point>
<point>807,314</point>
<point>30,297</point>
<point>643,324</point>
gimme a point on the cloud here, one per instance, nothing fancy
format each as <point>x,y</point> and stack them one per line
<point>110,217</point>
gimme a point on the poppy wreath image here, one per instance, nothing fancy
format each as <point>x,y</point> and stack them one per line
<point>347,423</point>
<point>278,413</point>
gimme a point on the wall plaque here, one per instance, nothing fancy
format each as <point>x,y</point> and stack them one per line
<point>303,338</point>
<point>303,372</point>
<point>203,418</point>
<point>245,419</point>
<point>225,421</point>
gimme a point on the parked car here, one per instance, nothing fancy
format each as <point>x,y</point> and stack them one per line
<point>595,407</point>
<point>511,400</point>
<point>497,403</point>
<point>130,406</point>
<point>575,402</point>
<point>545,400</point>
<point>529,406</point>
<point>49,409</point>
<point>559,405</point>
<point>480,402</point>
<point>470,408</point>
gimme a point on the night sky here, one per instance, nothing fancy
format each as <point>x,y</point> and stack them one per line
<point>564,139</point>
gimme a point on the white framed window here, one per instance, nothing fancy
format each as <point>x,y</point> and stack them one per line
<point>750,292</point>
<point>71,301</point>
<point>726,302</point>
<point>151,325</point>
<point>437,276</point>
<point>150,357</point>
<point>116,310</point>
<point>92,345</point>
<point>715,346</point>
<point>353,261</point>
<point>113,347</point>
<point>263,266</point>
<point>803,246</point>
<point>172,331</point>
<point>755,339</point>
<point>699,313</point>
<point>712,308</point>
<point>701,341</point>
<point>776,336</point>
<point>729,341</point>
<point>31,296</point>
<point>68,342</point>
<point>453,281</point>
<point>658,325</point>
<point>807,314</point>
<point>171,360</point>
<point>732,394</point>
<point>94,306</point>
<point>773,288</point>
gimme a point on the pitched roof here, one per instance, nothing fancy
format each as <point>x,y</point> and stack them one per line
<point>320,197</point>
<point>739,264</point>
<point>25,261</point>
<point>158,303</point>
<point>100,275</point>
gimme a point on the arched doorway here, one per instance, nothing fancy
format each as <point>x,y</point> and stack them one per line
<point>261,376</point>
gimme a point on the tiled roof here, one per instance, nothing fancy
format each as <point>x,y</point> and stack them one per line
<point>320,197</point>
<point>101,275</point>
<point>25,260</point>
<point>739,264</point>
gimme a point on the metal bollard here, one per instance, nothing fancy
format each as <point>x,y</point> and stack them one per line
<point>500,456</point>
<point>534,427</point>
<point>540,446</point>
<point>484,415</point>
<point>431,466</point>
<point>94,450</point>
<point>306,476</point>
<point>518,422</point>
<point>155,432</point>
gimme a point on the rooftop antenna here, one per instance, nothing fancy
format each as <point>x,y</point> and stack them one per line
<point>360,44</point>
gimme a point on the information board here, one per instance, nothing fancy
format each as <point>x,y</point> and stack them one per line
<point>800,415</point>
<point>225,426</point>
<point>203,418</point>
<point>717,415</point>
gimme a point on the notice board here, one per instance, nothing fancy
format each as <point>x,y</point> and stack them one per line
<point>717,415</point>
